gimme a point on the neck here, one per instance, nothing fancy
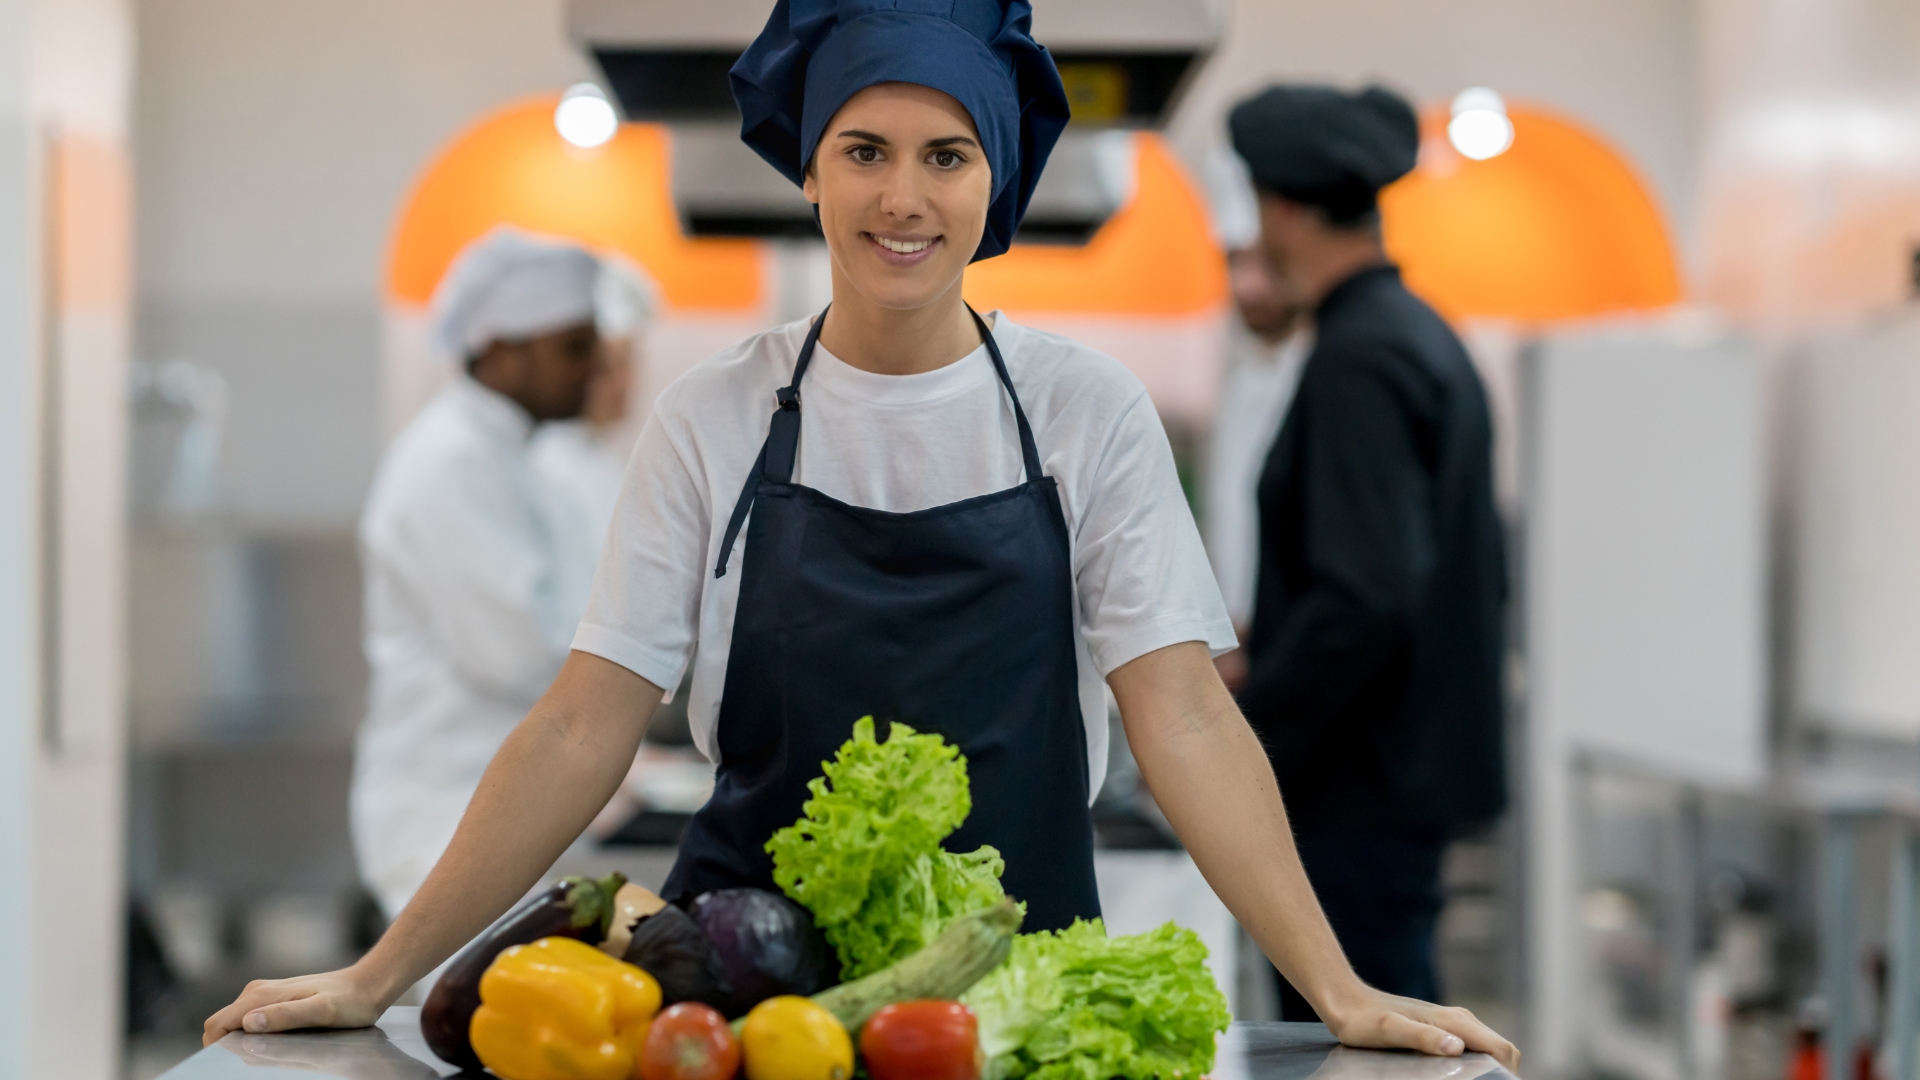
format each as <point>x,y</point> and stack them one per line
<point>1337,256</point>
<point>894,341</point>
<point>1275,335</point>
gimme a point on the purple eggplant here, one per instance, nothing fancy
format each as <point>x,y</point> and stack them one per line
<point>767,944</point>
<point>669,946</point>
<point>574,907</point>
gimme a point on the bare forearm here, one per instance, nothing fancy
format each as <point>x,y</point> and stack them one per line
<point>1210,776</point>
<point>555,771</point>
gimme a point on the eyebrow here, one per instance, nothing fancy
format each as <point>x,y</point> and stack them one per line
<point>880,140</point>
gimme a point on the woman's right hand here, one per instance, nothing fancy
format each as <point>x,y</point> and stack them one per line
<point>338,999</point>
<point>555,770</point>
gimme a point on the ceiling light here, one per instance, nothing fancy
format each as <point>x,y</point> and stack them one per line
<point>1480,128</point>
<point>585,117</point>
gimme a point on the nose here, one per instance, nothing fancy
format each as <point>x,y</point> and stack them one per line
<point>904,194</point>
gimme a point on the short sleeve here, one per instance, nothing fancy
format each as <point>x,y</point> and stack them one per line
<point>643,613</point>
<point>1140,568</point>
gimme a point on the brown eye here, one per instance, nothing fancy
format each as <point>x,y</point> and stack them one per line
<point>946,159</point>
<point>866,155</point>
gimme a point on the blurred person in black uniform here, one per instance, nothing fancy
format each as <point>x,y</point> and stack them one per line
<point>1375,657</point>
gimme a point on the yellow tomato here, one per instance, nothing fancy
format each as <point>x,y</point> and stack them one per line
<point>791,1038</point>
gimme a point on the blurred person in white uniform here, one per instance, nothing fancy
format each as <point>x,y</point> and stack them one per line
<point>467,614</point>
<point>582,461</point>
<point>1267,344</point>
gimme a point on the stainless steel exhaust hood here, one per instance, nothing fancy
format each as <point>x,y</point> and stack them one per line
<point>1125,63</point>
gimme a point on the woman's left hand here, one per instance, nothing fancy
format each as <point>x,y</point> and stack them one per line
<point>1381,1021</point>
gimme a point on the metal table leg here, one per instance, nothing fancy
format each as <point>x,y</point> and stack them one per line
<point>1903,947</point>
<point>1837,943</point>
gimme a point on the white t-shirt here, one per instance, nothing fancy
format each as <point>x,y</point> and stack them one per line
<point>903,443</point>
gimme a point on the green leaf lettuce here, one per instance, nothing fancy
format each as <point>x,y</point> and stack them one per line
<point>1078,1005</point>
<point>866,857</point>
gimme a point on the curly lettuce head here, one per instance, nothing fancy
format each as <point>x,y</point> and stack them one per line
<point>866,857</point>
<point>1078,1005</point>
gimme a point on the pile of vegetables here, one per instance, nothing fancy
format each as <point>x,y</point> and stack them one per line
<point>938,984</point>
<point>578,950</point>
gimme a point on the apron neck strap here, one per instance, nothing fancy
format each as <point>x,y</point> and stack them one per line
<point>1029,451</point>
<point>775,463</point>
<point>783,436</point>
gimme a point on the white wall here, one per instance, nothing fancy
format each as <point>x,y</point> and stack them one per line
<point>65,72</point>
<point>1811,157</point>
<point>1624,67</point>
<point>276,142</point>
<point>18,525</point>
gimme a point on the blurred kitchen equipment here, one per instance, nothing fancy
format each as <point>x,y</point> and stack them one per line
<point>189,922</point>
<point>1125,65</point>
<point>1856,526</point>
<point>294,933</point>
<point>1643,545</point>
<point>179,419</point>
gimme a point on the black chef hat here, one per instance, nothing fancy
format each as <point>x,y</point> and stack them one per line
<point>1326,147</point>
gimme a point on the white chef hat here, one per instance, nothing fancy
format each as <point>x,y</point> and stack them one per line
<point>1235,205</point>
<point>512,284</point>
<point>624,297</point>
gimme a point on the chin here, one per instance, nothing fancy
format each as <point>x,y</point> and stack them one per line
<point>895,289</point>
<point>903,296</point>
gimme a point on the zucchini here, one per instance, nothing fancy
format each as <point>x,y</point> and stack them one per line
<point>962,955</point>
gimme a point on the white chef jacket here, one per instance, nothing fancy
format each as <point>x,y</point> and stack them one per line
<point>1254,398</point>
<point>580,473</point>
<point>467,621</point>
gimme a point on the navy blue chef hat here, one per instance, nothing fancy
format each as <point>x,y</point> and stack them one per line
<point>1326,147</point>
<point>816,54</point>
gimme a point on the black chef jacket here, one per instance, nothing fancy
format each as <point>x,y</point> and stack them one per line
<point>1375,656</point>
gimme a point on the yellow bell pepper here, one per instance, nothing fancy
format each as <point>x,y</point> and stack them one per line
<point>560,1009</point>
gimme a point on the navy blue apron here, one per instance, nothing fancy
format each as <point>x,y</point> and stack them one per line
<point>956,619</point>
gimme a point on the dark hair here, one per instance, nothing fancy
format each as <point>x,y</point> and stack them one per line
<point>1360,221</point>
<point>1367,221</point>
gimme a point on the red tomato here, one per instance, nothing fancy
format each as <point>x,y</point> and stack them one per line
<point>922,1040</point>
<point>689,1041</point>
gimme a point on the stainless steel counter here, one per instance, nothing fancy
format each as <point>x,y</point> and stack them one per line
<point>395,1051</point>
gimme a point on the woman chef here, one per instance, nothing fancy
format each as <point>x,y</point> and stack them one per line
<point>949,520</point>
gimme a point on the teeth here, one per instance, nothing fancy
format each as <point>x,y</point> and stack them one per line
<point>904,247</point>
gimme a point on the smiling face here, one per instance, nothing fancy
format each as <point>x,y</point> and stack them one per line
<point>903,186</point>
